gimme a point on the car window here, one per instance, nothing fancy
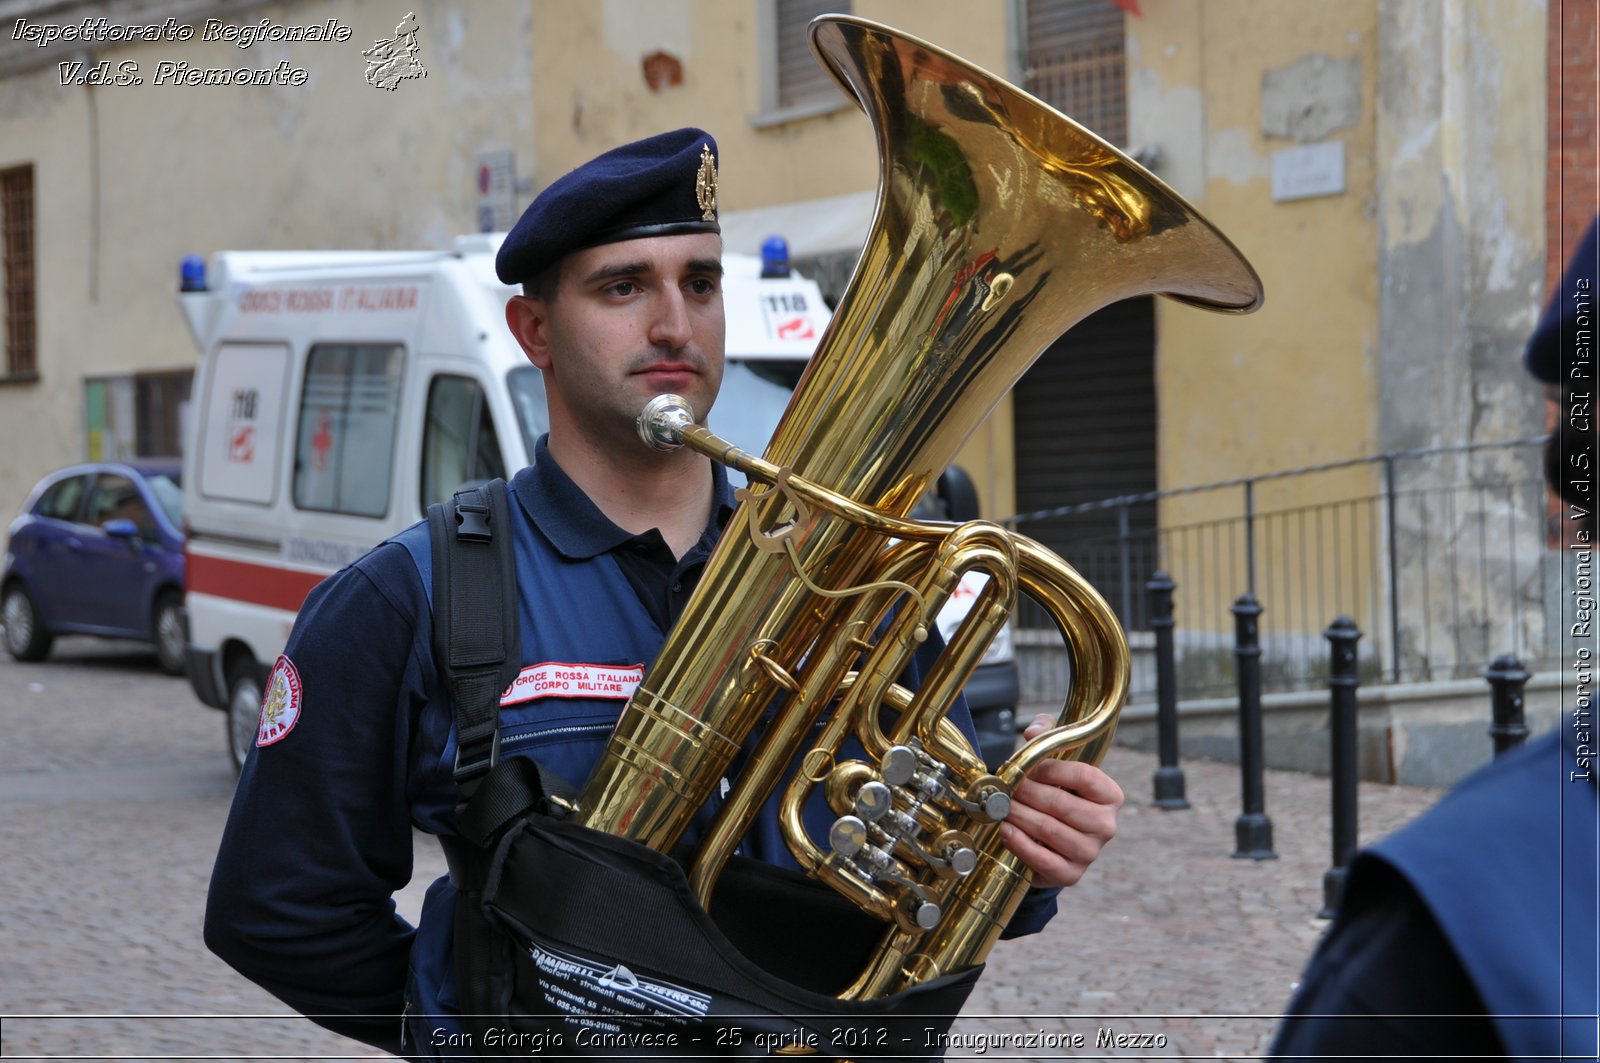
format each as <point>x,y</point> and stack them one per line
<point>115,497</point>
<point>60,499</point>
<point>169,495</point>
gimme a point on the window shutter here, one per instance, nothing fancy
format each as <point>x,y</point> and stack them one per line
<point>801,79</point>
<point>16,271</point>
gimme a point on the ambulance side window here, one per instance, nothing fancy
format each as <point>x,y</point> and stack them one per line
<point>345,443</point>
<point>459,444</point>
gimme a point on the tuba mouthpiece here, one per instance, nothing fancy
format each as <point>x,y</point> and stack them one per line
<point>662,421</point>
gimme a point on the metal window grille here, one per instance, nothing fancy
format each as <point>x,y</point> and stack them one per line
<point>17,222</point>
<point>1075,62</point>
<point>801,79</point>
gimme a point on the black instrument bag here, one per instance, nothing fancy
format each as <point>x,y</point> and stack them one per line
<point>570,941</point>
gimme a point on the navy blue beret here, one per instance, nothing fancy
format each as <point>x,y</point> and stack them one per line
<point>660,186</point>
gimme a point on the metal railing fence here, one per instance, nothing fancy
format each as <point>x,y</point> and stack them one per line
<point>1438,554</point>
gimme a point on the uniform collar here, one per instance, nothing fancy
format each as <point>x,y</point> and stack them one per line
<point>574,524</point>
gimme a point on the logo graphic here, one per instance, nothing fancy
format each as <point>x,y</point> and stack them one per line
<point>796,328</point>
<point>322,442</point>
<point>705,185</point>
<point>243,445</point>
<point>391,61</point>
<point>280,709</point>
<point>619,977</point>
<point>242,426</point>
<point>617,991</point>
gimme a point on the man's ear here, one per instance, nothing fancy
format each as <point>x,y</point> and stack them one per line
<point>528,318</point>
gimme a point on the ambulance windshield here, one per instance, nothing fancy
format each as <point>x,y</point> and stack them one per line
<point>755,392</point>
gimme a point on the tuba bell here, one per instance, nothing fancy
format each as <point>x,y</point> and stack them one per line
<point>1000,223</point>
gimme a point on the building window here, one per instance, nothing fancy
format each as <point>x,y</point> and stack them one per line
<point>138,415</point>
<point>794,83</point>
<point>1084,415</point>
<point>16,273</point>
<point>1074,61</point>
<point>161,401</point>
<point>801,79</point>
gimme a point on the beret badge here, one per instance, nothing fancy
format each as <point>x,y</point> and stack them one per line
<point>705,184</point>
<point>631,192</point>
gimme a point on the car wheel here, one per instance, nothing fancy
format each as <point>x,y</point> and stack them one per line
<point>26,640</point>
<point>244,710</point>
<point>170,635</point>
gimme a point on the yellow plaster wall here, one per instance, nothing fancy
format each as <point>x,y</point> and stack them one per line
<point>1291,384</point>
<point>176,169</point>
<point>341,164</point>
<point>1393,309</point>
<point>590,94</point>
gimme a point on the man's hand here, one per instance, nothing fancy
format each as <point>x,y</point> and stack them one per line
<point>1062,814</point>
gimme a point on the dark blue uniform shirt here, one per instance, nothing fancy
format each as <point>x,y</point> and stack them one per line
<point>320,834</point>
<point>1472,932</point>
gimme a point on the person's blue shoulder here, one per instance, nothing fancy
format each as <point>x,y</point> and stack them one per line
<point>1516,839</point>
<point>419,548</point>
<point>1544,352</point>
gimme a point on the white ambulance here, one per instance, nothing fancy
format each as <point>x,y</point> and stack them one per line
<point>338,394</point>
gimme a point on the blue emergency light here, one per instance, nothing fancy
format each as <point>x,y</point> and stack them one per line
<point>192,274</point>
<point>775,257</point>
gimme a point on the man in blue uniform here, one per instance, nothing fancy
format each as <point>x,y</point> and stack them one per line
<point>1474,932</point>
<point>620,265</point>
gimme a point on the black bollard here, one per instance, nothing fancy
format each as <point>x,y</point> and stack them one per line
<point>1507,677</point>
<point>1253,830</point>
<point>1342,635</point>
<point>1169,777</point>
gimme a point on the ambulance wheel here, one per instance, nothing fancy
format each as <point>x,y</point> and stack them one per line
<point>26,640</point>
<point>244,710</point>
<point>170,632</point>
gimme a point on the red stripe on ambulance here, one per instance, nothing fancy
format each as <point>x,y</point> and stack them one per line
<point>245,581</point>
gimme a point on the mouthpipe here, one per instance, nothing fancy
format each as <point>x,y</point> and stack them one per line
<point>662,422</point>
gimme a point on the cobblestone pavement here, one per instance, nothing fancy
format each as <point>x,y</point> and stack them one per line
<point>1169,938</point>
<point>114,788</point>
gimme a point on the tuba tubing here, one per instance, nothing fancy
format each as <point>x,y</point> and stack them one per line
<point>1000,223</point>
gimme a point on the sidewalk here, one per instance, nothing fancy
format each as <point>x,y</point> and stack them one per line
<point>1170,940</point>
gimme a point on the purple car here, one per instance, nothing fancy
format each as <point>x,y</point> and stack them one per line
<point>98,550</point>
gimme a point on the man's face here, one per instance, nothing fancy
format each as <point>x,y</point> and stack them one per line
<point>627,322</point>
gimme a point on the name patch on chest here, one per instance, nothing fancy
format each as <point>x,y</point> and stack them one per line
<point>556,680</point>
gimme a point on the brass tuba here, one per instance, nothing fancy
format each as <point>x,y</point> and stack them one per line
<point>1000,223</point>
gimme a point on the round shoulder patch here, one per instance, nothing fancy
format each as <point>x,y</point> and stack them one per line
<point>280,707</point>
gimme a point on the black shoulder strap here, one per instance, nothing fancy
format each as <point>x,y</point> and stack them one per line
<point>475,638</point>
